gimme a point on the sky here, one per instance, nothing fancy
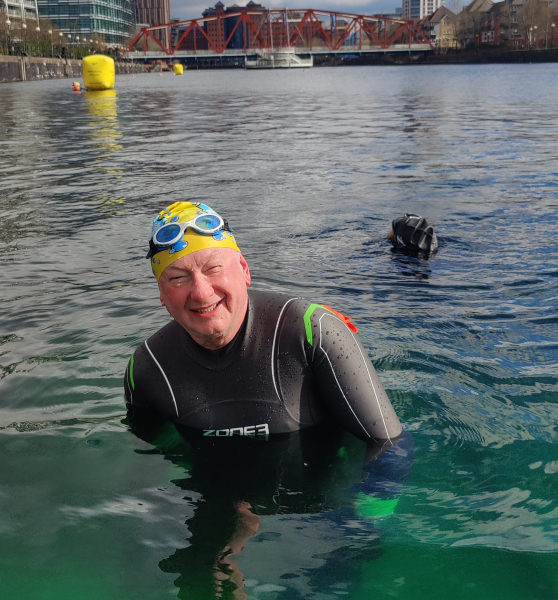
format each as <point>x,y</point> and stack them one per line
<point>190,9</point>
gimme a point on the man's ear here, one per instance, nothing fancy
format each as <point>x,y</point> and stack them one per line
<point>246,269</point>
<point>161,298</point>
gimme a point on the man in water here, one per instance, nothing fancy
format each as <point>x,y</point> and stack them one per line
<point>242,366</point>
<point>413,233</point>
<point>238,363</point>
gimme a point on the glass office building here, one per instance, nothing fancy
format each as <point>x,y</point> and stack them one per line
<point>19,9</point>
<point>114,20</point>
<point>418,9</point>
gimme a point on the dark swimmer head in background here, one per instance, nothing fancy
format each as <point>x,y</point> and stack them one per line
<point>413,235</point>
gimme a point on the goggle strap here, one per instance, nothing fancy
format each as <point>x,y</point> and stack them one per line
<point>153,249</point>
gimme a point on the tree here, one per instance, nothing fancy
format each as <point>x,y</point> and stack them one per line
<point>532,19</point>
<point>22,36</point>
<point>458,22</point>
<point>505,20</point>
<point>5,34</point>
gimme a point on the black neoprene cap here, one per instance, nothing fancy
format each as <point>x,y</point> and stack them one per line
<point>414,233</point>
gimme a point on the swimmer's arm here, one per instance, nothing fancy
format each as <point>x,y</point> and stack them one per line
<point>348,382</point>
<point>142,418</point>
<point>386,468</point>
<point>134,391</point>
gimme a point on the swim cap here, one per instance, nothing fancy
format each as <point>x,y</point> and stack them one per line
<point>414,233</point>
<point>191,240</point>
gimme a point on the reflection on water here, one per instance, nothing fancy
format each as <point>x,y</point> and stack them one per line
<point>411,266</point>
<point>310,169</point>
<point>103,123</point>
<point>104,131</point>
<point>299,487</point>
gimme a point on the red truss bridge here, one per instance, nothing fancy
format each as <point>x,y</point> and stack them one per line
<point>250,31</point>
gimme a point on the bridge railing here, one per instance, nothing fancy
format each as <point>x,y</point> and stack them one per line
<point>307,30</point>
<point>158,55</point>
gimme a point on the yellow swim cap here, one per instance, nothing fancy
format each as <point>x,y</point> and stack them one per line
<point>183,228</point>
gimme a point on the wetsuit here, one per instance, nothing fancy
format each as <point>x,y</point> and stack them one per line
<point>291,366</point>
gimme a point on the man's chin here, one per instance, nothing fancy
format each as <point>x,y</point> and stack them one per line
<point>210,335</point>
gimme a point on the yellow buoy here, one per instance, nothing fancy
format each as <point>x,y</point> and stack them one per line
<point>98,72</point>
<point>178,69</point>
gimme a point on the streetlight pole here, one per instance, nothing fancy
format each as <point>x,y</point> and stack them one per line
<point>8,23</point>
<point>51,44</point>
<point>535,37</point>
<point>23,31</point>
<point>546,36</point>
<point>38,30</point>
<point>552,34</point>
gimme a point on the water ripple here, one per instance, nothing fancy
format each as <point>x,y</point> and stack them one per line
<point>310,169</point>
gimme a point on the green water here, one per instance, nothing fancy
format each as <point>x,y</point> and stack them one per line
<point>310,169</point>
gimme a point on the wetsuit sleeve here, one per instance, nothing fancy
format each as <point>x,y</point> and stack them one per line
<point>129,383</point>
<point>385,474</point>
<point>138,380</point>
<point>386,469</point>
<point>135,398</point>
<point>346,379</point>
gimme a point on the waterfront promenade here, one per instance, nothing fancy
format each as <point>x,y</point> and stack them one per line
<point>35,68</point>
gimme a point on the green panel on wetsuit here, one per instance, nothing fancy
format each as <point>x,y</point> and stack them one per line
<point>307,324</point>
<point>369,506</point>
<point>132,372</point>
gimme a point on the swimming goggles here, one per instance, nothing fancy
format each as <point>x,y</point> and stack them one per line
<point>170,233</point>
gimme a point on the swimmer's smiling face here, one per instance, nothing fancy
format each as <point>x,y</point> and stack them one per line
<point>206,292</point>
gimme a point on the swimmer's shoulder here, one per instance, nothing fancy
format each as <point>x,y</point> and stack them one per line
<point>155,348</point>
<point>270,305</point>
<point>302,315</point>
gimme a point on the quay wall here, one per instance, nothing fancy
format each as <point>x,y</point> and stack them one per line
<point>18,68</point>
<point>470,57</point>
<point>30,68</point>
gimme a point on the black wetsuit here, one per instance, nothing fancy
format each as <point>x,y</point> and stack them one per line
<point>292,365</point>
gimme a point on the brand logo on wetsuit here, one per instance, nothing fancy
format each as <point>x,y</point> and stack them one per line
<point>251,431</point>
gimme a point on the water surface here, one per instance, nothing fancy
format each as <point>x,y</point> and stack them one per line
<point>310,168</point>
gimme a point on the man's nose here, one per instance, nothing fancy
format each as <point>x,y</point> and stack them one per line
<point>202,289</point>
